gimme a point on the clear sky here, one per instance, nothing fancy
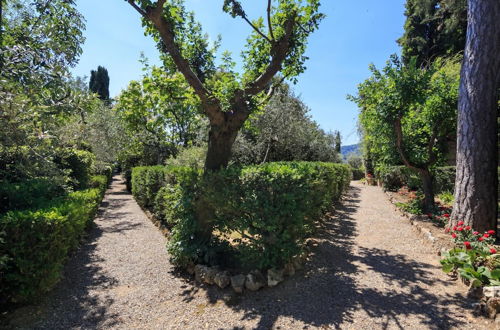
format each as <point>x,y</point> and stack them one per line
<point>354,34</point>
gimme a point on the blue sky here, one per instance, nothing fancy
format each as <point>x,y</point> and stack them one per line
<point>353,35</point>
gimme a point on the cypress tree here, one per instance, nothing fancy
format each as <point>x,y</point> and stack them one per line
<point>99,82</point>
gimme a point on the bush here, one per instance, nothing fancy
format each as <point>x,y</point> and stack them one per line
<point>395,177</point>
<point>36,243</point>
<point>79,163</point>
<point>191,157</point>
<point>146,182</point>
<point>262,214</point>
<point>357,173</point>
<point>27,194</point>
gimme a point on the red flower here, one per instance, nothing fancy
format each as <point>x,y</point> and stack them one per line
<point>446,215</point>
<point>480,239</point>
<point>467,245</point>
<point>493,251</point>
<point>460,223</point>
<point>475,233</point>
<point>460,228</point>
<point>486,235</point>
<point>491,232</point>
<point>454,235</point>
<point>454,227</point>
<point>447,230</point>
<point>467,228</point>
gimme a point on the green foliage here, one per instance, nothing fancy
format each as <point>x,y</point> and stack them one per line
<point>446,197</point>
<point>271,208</point>
<point>99,82</point>
<point>433,28</point>
<point>191,157</point>
<point>283,131</point>
<point>414,206</point>
<point>79,163</point>
<point>473,257</point>
<point>28,194</point>
<point>396,177</point>
<point>146,182</point>
<point>36,242</point>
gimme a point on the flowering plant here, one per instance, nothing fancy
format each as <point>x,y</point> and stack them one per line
<point>474,258</point>
<point>441,216</point>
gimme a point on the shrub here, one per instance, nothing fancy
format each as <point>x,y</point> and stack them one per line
<point>190,157</point>
<point>271,209</point>
<point>79,163</point>
<point>395,177</point>
<point>357,173</point>
<point>146,182</point>
<point>36,243</point>
<point>27,194</point>
<point>473,257</point>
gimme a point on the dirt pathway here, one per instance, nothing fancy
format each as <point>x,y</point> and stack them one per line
<point>369,271</point>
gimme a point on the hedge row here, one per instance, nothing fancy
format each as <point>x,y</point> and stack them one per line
<point>34,243</point>
<point>262,214</point>
<point>395,177</point>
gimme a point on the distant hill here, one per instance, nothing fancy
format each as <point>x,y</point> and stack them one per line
<point>353,148</point>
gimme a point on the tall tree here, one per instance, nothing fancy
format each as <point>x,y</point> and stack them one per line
<point>433,28</point>
<point>338,142</point>
<point>228,98</point>
<point>477,154</point>
<point>99,82</point>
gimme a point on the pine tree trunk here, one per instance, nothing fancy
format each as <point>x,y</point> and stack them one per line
<point>476,178</point>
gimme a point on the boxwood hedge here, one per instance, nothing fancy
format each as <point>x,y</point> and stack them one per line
<point>34,243</point>
<point>262,214</point>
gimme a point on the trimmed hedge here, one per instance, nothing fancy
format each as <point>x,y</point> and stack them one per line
<point>36,242</point>
<point>395,177</point>
<point>27,194</point>
<point>262,214</point>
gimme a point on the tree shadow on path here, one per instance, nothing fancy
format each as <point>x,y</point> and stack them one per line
<point>327,293</point>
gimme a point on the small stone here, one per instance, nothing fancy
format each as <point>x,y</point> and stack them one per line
<point>190,269</point>
<point>200,272</point>
<point>493,307</point>
<point>255,280</point>
<point>274,276</point>
<point>491,291</point>
<point>475,292</point>
<point>289,269</point>
<point>297,264</point>
<point>222,279</point>
<point>210,275</point>
<point>238,283</point>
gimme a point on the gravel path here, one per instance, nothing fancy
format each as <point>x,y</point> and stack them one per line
<point>369,271</point>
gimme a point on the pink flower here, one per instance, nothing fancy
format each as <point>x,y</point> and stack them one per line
<point>491,232</point>
<point>467,228</point>
<point>486,235</point>
<point>475,233</point>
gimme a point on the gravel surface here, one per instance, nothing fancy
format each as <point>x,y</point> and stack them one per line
<point>368,271</point>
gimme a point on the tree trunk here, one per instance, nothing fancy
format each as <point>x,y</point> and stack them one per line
<point>220,142</point>
<point>476,178</point>
<point>428,190</point>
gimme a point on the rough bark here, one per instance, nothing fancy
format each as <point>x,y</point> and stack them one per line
<point>476,178</point>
